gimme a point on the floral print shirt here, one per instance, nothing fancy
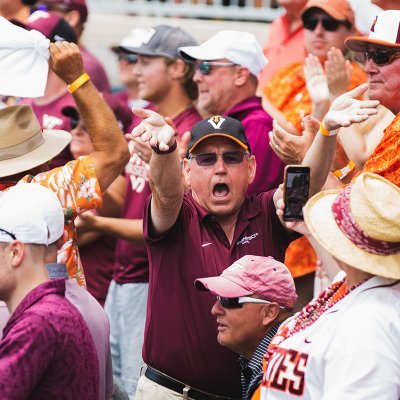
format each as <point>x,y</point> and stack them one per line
<point>78,190</point>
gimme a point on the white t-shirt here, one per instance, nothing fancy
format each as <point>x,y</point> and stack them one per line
<point>352,352</point>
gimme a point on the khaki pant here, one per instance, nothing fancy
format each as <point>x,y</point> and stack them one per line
<point>149,390</point>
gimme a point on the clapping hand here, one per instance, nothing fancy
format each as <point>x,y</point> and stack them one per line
<point>153,129</point>
<point>316,80</point>
<point>346,109</point>
<point>338,72</point>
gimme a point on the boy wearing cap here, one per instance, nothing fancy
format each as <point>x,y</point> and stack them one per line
<point>227,66</point>
<point>46,351</point>
<point>254,296</point>
<point>76,13</point>
<point>199,234</point>
<point>164,77</point>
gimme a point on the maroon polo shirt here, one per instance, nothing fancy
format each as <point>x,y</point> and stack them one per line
<point>257,123</point>
<point>186,120</point>
<point>180,334</point>
<point>50,117</point>
<point>95,70</point>
<point>47,351</point>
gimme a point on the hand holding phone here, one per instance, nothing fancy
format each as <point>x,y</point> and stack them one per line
<point>296,188</point>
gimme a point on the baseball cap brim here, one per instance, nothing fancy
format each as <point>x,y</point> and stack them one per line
<point>226,135</point>
<point>144,51</point>
<point>202,52</point>
<point>54,142</point>
<point>221,286</point>
<point>359,44</point>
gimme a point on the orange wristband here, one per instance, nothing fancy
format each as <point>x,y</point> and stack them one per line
<point>325,131</point>
<point>342,173</point>
<point>77,83</point>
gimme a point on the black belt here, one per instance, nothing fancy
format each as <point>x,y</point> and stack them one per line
<point>178,387</point>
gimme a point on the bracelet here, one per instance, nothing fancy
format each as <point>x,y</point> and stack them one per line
<point>342,173</point>
<point>325,131</point>
<point>78,82</point>
<point>170,150</point>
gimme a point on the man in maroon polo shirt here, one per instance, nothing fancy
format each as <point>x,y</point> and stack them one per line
<point>201,233</point>
<point>46,351</point>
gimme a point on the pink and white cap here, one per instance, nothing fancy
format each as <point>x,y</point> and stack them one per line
<point>385,31</point>
<point>264,277</point>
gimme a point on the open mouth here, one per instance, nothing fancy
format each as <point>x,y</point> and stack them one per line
<point>220,190</point>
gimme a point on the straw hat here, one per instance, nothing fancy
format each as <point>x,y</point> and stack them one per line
<point>374,205</point>
<point>23,144</point>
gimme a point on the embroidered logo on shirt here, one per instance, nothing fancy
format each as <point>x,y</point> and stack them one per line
<point>50,122</point>
<point>216,121</point>
<point>246,239</point>
<point>205,244</point>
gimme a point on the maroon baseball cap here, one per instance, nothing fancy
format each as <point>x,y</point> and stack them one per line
<point>69,5</point>
<point>264,277</point>
<point>51,25</point>
<point>121,111</point>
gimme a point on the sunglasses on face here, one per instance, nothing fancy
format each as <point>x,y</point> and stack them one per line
<point>129,58</point>
<point>382,57</point>
<point>229,157</point>
<point>205,67</point>
<point>237,302</point>
<point>9,234</point>
<point>328,23</point>
<point>75,122</point>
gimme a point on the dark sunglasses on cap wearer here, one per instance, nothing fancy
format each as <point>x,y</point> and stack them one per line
<point>382,57</point>
<point>237,302</point>
<point>229,157</point>
<point>9,234</point>
<point>128,57</point>
<point>328,23</point>
<point>205,67</point>
<point>75,122</point>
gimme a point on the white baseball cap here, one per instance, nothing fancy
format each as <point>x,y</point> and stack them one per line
<point>238,47</point>
<point>31,213</point>
<point>385,31</point>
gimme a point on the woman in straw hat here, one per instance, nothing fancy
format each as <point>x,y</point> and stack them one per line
<point>345,344</point>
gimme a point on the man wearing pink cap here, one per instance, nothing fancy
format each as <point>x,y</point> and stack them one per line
<point>254,296</point>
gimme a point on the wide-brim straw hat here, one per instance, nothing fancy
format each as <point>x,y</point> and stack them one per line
<point>23,144</point>
<point>375,206</point>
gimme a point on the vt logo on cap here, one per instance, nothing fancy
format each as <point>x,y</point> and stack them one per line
<point>374,23</point>
<point>216,121</point>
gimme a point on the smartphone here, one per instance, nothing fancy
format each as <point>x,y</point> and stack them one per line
<point>296,187</point>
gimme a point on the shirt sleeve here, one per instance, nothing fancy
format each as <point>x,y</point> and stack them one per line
<point>25,353</point>
<point>363,361</point>
<point>75,184</point>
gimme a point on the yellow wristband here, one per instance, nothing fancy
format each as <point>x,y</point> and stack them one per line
<point>77,83</point>
<point>325,131</point>
<point>342,173</point>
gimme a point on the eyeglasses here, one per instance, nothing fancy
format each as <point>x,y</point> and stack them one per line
<point>237,302</point>
<point>382,57</point>
<point>205,67</point>
<point>128,57</point>
<point>75,122</point>
<point>9,234</point>
<point>229,157</point>
<point>328,23</point>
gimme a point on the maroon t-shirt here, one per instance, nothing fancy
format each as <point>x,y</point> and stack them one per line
<point>97,261</point>
<point>181,334</point>
<point>50,117</point>
<point>186,120</point>
<point>47,351</point>
<point>95,70</point>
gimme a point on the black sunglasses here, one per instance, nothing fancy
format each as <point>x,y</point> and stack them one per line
<point>328,23</point>
<point>229,157</point>
<point>382,57</point>
<point>9,234</point>
<point>205,67</point>
<point>128,57</point>
<point>229,302</point>
<point>75,122</point>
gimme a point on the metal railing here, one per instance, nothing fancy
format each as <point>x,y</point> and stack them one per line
<point>241,10</point>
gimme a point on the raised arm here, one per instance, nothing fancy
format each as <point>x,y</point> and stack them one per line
<point>110,149</point>
<point>165,170</point>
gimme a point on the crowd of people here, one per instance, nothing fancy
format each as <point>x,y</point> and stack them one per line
<point>144,252</point>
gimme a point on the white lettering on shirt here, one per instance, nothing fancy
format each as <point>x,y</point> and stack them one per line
<point>50,122</point>
<point>246,239</point>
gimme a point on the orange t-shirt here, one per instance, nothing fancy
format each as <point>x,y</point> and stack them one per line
<point>287,91</point>
<point>78,190</point>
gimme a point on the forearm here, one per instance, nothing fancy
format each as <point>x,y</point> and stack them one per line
<point>320,158</point>
<point>121,228</point>
<point>278,115</point>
